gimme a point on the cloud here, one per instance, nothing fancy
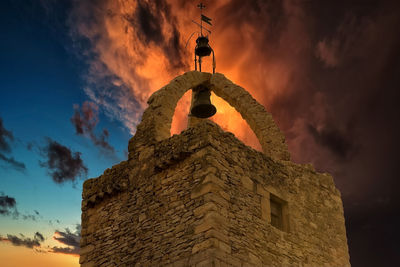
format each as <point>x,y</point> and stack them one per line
<point>29,217</point>
<point>66,250</point>
<point>150,19</point>
<point>123,74</point>
<point>24,241</point>
<point>334,140</point>
<point>39,236</point>
<point>85,121</point>
<point>4,135</point>
<point>327,52</point>
<point>63,165</point>
<point>20,166</point>
<point>8,207</point>
<point>7,204</point>
<point>5,138</point>
<point>68,238</point>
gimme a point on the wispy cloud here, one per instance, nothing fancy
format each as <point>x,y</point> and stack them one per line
<point>6,137</point>
<point>131,51</point>
<point>85,120</point>
<point>8,207</point>
<point>27,242</point>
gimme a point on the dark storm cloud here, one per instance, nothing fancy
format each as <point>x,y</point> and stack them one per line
<point>71,239</point>
<point>63,165</point>
<point>5,137</point>
<point>85,121</point>
<point>339,107</point>
<point>7,204</point>
<point>269,17</point>
<point>25,241</point>
<point>149,23</point>
<point>334,140</point>
<point>149,19</point>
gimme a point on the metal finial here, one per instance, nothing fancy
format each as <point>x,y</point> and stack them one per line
<point>201,6</point>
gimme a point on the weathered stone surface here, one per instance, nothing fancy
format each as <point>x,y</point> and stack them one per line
<point>202,198</point>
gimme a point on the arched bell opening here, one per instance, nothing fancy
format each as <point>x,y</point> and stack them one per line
<point>227,117</point>
<point>157,118</point>
<point>230,120</point>
<point>180,119</point>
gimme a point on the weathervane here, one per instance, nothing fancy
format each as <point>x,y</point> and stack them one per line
<point>202,49</point>
<point>201,105</point>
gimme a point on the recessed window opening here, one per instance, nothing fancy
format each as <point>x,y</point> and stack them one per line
<point>279,218</point>
<point>276,214</point>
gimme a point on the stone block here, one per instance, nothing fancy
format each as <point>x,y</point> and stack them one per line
<point>208,206</point>
<point>205,263</point>
<point>211,220</point>
<point>216,198</point>
<point>261,191</point>
<point>88,264</point>
<point>203,189</point>
<point>217,234</point>
<point>265,210</point>
<point>247,182</point>
<point>212,178</point>
<point>224,247</point>
<point>254,259</point>
<point>86,249</point>
<point>211,242</point>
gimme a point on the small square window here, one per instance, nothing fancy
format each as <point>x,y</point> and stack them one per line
<point>276,214</point>
<point>279,216</point>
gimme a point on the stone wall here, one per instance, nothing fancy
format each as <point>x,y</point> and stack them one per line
<point>202,198</point>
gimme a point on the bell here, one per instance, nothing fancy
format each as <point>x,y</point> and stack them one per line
<point>202,107</point>
<point>202,48</point>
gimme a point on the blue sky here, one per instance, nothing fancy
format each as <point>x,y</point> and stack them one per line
<point>41,80</point>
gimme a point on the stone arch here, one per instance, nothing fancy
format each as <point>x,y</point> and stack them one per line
<point>156,120</point>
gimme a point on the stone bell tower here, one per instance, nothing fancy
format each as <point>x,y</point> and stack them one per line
<point>203,198</point>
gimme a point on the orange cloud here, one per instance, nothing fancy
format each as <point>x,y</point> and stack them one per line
<point>140,47</point>
<point>135,48</point>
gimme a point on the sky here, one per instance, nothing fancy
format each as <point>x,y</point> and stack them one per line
<point>75,77</point>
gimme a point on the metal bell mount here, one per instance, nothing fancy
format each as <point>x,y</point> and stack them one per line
<point>201,105</point>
